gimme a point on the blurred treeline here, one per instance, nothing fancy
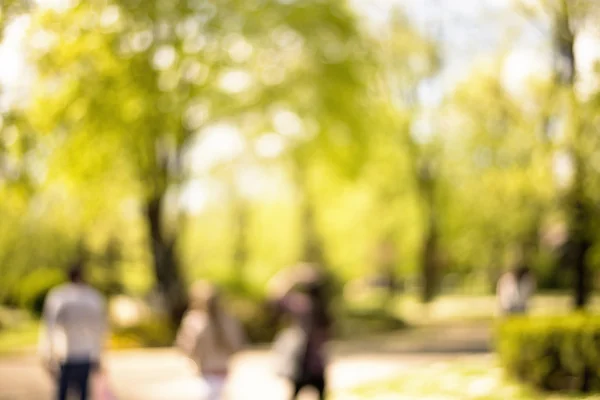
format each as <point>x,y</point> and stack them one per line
<point>167,141</point>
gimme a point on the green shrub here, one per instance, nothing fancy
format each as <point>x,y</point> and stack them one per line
<point>356,322</point>
<point>256,318</point>
<point>150,332</point>
<point>552,353</point>
<point>31,291</point>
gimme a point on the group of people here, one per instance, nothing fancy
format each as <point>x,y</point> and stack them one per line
<point>76,323</point>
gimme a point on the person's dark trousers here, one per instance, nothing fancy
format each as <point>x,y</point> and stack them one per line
<point>74,376</point>
<point>318,382</point>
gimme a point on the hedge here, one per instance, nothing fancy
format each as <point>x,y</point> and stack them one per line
<point>552,353</point>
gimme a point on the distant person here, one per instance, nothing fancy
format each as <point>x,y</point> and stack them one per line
<point>514,290</point>
<point>209,336</point>
<point>75,322</point>
<point>300,349</point>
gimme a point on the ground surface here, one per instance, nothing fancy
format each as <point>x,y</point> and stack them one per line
<point>453,348</point>
<point>164,375</point>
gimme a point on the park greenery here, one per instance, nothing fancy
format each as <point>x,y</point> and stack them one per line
<point>455,380</point>
<point>165,141</point>
<point>561,355</point>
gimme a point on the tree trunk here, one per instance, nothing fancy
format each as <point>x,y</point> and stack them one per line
<point>429,251</point>
<point>429,269</point>
<point>312,245</point>
<point>565,71</point>
<point>496,265</point>
<point>169,278</point>
<point>563,38</point>
<point>529,248</point>
<point>580,245</point>
<point>387,276</point>
<point>240,246</point>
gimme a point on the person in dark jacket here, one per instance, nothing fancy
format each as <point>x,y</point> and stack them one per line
<point>301,347</point>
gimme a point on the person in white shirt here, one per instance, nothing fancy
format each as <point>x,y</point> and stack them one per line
<point>209,336</point>
<point>514,290</point>
<point>75,325</point>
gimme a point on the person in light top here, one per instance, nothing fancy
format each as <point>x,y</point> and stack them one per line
<point>73,335</point>
<point>514,291</point>
<point>209,336</point>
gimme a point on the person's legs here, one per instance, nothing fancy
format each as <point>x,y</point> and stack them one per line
<point>74,375</point>
<point>296,388</point>
<point>215,386</point>
<point>319,384</point>
<point>83,379</point>
<point>63,382</point>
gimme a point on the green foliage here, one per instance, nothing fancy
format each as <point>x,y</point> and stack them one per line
<point>33,288</point>
<point>126,93</point>
<point>355,322</point>
<point>256,317</point>
<point>501,166</point>
<point>136,100</point>
<point>552,353</point>
<point>10,318</point>
<point>21,337</point>
<point>477,379</point>
<point>153,331</point>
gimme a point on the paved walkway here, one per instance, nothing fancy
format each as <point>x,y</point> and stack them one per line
<point>163,374</point>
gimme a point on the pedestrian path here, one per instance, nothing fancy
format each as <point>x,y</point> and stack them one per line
<point>164,374</point>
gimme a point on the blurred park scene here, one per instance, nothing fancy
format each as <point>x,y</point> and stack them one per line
<point>415,149</point>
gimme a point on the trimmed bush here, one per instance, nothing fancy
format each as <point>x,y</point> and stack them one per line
<point>552,353</point>
<point>152,331</point>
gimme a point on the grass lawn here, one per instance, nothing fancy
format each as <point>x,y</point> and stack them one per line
<point>21,338</point>
<point>24,335</point>
<point>453,380</point>
<point>457,307</point>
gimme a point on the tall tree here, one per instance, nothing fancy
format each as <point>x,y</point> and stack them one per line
<point>567,19</point>
<point>499,163</point>
<point>410,59</point>
<point>150,77</point>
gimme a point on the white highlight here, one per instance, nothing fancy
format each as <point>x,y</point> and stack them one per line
<point>235,81</point>
<point>217,144</point>
<point>287,123</point>
<point>14,70</point>
<point>164,58</point>
<point>270,145</point>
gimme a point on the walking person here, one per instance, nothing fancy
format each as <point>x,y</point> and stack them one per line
<point>209,336</point>
<point>514,290</point>
<point>75,326</point>
<point>300,349</point>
